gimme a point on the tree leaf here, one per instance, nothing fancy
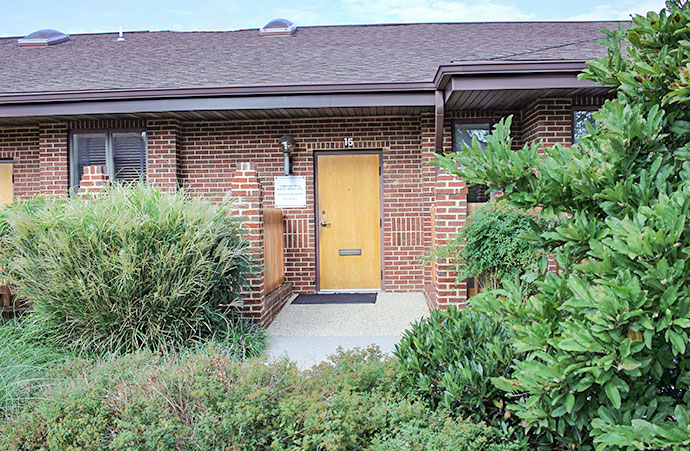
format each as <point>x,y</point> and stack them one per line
<point>569,402</point>
<point>611,389</point>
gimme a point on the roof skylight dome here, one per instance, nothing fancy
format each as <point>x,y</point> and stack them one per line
<point>43,38</point>
<point>278,27</point>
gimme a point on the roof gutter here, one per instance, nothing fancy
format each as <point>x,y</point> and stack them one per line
<point>348,100</point>
<point>446,71</point>
<point>219,91</point>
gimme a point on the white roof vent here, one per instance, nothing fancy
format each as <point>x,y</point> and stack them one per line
<point>278,27</point>
<point>43,38</point>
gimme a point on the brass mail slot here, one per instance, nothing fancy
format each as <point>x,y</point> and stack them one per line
<point>350,252</point>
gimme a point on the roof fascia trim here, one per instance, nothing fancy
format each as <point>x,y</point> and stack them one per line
<point>446,71</point>
<point>521,81</point>
<point>440,80</point>
<point>220,103</point>
<point>122,94</point>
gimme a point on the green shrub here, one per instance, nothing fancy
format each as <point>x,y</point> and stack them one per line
<point>206,401</point>
<point>493,244</point>
<point>438,432</point>
<point>605,341</point>
<point>132,268</point>
<point>24,364</point>
<point>448,359</point>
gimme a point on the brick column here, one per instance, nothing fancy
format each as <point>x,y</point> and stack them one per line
<point>445,207</point>
<point>449,216</point>
<point>162,153</point>
<point>53,158</point>
<point>246,188</point>
<point>93,180</point>
<point>427,144</point>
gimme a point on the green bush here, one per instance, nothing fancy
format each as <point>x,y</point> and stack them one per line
<point>132,268</point>
<point>438,432</point>
<point>493,244</point>
<point>448,359</point>
<point>605,341</point>
<point>206,401</point>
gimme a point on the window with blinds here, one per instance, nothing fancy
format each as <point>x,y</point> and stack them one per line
<point>123,153</point>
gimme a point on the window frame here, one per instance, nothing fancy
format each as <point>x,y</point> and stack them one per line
<point>73,162</point>
<point>471,121</point>
<point>575,109</point>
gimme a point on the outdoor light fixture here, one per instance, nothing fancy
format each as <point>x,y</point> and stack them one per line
<point>287,145</point>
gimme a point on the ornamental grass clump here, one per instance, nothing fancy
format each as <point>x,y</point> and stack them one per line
<point>24,365</point>
<point>132,268</point>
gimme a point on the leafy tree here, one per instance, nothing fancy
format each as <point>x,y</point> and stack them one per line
<point>604,343</point>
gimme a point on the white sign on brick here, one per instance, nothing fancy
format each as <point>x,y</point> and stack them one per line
<point>290,192</point>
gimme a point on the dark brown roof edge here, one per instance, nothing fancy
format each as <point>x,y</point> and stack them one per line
<point>441,78</point>
<point>121,94</point>
<point>503,67</point>
<point>480,74</point>
<point>250,102</point>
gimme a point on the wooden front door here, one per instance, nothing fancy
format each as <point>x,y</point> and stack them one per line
<point>349,221</point>
<point>6,183</point>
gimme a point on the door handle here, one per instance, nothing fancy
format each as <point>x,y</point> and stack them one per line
<point>325,224</point>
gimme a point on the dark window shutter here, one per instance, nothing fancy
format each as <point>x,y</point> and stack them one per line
<point>90,151</point>
<point>129,156</point>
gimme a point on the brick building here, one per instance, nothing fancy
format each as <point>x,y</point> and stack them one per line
<point>362,110</point>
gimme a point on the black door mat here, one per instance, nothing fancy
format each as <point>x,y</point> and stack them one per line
<point>336,298</point>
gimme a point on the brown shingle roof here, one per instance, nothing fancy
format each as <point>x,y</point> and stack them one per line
<point>314,55</point>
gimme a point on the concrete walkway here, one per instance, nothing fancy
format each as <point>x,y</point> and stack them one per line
<point>308,334</point>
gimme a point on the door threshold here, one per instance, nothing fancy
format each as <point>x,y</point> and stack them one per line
<point>351,290</point>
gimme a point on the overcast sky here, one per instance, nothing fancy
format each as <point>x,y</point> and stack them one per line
<point>19,18</point>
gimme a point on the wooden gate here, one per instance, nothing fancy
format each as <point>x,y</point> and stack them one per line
<point>274,261</point>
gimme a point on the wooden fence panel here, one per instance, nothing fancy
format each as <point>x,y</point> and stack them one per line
<point>6,300</point>
<point>274,261</point>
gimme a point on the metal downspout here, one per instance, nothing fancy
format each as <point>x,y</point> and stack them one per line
<point>439,120</point>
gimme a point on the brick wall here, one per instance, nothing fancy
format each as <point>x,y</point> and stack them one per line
<point>209,152</point>
<point>162,170</point>
<point>549,120</point>
<point>21,145</point>
<point>203,156</point>
<point>53,158</point>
